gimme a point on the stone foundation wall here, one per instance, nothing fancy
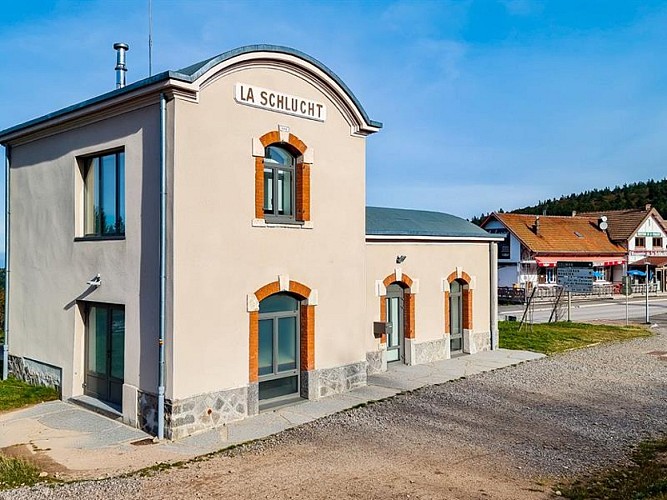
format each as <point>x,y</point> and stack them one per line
<point>35,373</point>
<point>206,411</point>
<point>474,342</point>
<point>147,412</point>
<point>192,415</point>
<point>374,362</point>
<point>198,413</point>
<point>328,381</point>
<point>427,352</point>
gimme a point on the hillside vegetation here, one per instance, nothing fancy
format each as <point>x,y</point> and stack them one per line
<point>635,195</point>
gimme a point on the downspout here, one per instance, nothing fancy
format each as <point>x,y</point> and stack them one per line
<point>163,263</point>
<point>5,343</point>
<point>493,294</point>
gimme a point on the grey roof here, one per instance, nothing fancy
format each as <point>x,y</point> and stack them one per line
<point>405,223</point>
<point>190,74</point>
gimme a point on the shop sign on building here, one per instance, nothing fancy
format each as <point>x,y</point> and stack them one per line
<point>259,97</point>
<point>576,277</point>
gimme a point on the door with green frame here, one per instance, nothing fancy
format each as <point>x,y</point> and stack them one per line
<point>396,321</point>
<point>105,352</point>
<point>456,317</point>
<point>279,341</point>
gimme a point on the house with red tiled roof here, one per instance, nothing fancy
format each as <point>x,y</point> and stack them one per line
<point>533,246</point>
<point>643,234</point>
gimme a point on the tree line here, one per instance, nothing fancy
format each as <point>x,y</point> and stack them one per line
<point>634,195</point>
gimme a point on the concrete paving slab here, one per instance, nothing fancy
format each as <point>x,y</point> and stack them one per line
<point>373,393</point>
<point>262,425</point>
<point>35,411</point>
<point>87,444</point>
<point>394,383</point>
<point>294,418</point>
<point>75,419</point>
<point>199,444</point>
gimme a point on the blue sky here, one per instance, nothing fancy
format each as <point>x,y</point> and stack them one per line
<point>486,104</point>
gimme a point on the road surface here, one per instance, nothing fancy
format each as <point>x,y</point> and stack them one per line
<point>598,310</point>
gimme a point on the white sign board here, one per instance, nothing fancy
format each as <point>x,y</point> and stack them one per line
<point>258,97</point>
<point>576,277</point>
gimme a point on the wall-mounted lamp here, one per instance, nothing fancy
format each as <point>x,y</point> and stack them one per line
<point>96,281</point>
<point>400,258</point>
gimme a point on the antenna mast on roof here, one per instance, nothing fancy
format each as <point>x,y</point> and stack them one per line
<point>150,38</point>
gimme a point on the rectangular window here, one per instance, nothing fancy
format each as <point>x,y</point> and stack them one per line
<point>657,243</point>
<point>640,242</point>
<point>279,185</point>
<point>599,273</point>
<point>104,195</point>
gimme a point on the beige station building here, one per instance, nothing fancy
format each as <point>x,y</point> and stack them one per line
<point>195,247</point>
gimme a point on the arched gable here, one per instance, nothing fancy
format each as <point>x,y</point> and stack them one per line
<point>286,59</point>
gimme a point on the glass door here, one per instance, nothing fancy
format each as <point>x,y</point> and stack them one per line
<point>105,357</point>
<point>278,347</point>
<point>456,317</point>
<point>395,318</point>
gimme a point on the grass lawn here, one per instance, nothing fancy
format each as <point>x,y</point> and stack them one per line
<point>645,478</point>
<point>550,338</point>
<point>16,394</point>
<point>15,472</point>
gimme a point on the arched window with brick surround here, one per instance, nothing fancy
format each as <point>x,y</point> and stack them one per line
<point>282,340</point>
<point>282,180</point>
<point>397,307</point>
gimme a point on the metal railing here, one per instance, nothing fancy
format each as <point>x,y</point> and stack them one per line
<point>548,293</point>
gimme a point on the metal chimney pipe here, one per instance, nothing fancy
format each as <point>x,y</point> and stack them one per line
<point>121,68</point>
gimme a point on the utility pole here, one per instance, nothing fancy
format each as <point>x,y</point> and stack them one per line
<point>648,319</point>
<point>569,307</point>
<point>150,38</point>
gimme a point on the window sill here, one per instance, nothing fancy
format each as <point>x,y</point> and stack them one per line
<point>99,238</point>
<point>294,225</point>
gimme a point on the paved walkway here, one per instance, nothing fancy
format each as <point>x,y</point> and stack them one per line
<point>76,443</point>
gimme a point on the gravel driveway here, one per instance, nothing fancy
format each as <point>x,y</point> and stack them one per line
<point>503,434</point>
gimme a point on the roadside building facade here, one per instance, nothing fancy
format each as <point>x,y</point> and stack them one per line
<point>533,245</point>
<point>643,234</point>
<point>193,248</point>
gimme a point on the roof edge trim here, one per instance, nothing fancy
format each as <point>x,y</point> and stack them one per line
<point>189,75</point>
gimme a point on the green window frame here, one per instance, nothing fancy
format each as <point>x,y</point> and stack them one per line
<point>279,347</point>
<point>279,184</point>
<point>104,195</point>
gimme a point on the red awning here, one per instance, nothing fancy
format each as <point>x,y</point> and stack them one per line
<point>598,261</point>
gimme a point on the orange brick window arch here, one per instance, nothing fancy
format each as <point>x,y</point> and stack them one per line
<point>306,327</point>
<point>302,173</point>
<point>408,304</point>
<point>466,297</point>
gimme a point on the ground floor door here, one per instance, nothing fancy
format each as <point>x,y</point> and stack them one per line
<point>279,342</point>
<point>105,352</point>
<point>456,317</point>
<point>396,321</point>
